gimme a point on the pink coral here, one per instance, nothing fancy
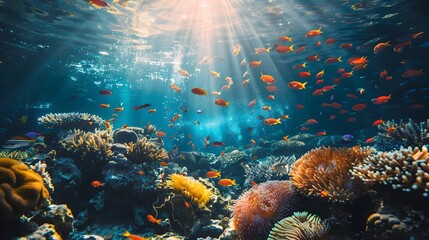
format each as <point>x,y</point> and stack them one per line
<point>257,210</point>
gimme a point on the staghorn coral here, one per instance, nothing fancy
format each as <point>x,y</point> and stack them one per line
<point>263,171</point>
<point>189,188</point>
<point>324,172</point>
<point>256,211</point>
<point>15,154</point>
<point>84,143</point>
<point>387,226</point>
<point>406,169</point>
<point>145,151</point>
<point>300,226</point>
<point>408,134</point>
<point>72,120</point>
<point>21,189</point>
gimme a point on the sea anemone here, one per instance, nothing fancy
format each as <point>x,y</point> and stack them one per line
<point>145,151</point>
<point>73,120</point>
<point>406,169</point>
<point>300,226</point>
<point>256,211</point>
<point>324,172</point>
<point>189,188</point>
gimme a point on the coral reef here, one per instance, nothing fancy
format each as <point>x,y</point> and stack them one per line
<point>40,168</point>
<point>15,154</point>
<point>145,151</point>
<point>392,135</point>
<point>324,172</point>
<point>88,143</point>
<point>263,171</point>
<point>72,120</point>
<point>256,211</point>
<point>45,231</point>
<point>300,226</point>
<point>190,188</point>
<point>21,189</point>
<point>387,226</point>
<point>284,147</point>
<point>58,215</point>
<point>233,157</point>
<point>125,136</point>
<point>406,169</point>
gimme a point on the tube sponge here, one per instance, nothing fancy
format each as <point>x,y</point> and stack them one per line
<point>189,187</point>
<point>21,189</point>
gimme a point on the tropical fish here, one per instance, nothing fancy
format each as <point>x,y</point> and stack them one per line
<point>369,140</point>
<point>98,3</point>
<point>380,46</point>
<point>381,99</point>
<point>285,38</point>
<point>105,92</point>
<point>97,184</point>
<point>297,85</point>
<point>132,236</point>
<point>304,74</point>
<point>300,49</point>
<point>412,73</point>
<point>151,110</point>
<point>213,174</point>
<point>272,121</point>
<point>226,182</point>
<point>330,41</point>
<point>252,103</point>
<point>152,219</point>
<point>284,49</point>
<point>268,79</point>
<point>318,44</point>
<point>254,64</point>
<point>104,105</point>
<point>174,87</point>
<point>184,73</point>
<point>314,33</point>
<point>321,133</point>
<point>333,60</point>
<point>280,168</point>
<point>262,50</point>
<point>175,117</point>
<point>118,109</point>
<point>383,73</point>
<point>320,74</point>
<point>199,91</point>
<point>218,144</point>
<point>271,88</point>
<point>299,66</point>
<point>346,45</point>
<point>266,108</point>
<point>347,138</point>
<point>142,106</point>
<point>215,74</point>
<point>221,102</point>
<point>313,58</point>
<point>359,107</point>
<point>311,121</point>
<point>377,122</point>
<point>400,46</point>
<point>357,61</point>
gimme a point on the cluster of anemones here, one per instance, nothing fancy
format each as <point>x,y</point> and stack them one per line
<point>73,120</point>
<point>325,172</point>
<point>406,169</point>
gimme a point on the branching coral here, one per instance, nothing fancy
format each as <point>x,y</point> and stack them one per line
<point>15,154</point>
<point>21,189</point>
<point>263,171</point>
<point>324,172</point>
<point>232,157</point>
<point>407,134</point>
<point>145,151</point>
<point>189,188</point>
<point>300,226</point>
<point>256,211</point>
<point>73,120</point>
<point>85,143</point>
<point>406,169</point>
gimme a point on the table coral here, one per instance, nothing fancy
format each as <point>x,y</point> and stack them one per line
<point>324,172</point>
<point>21,189</point>
<point>72,120</point>
<point>256,211</point>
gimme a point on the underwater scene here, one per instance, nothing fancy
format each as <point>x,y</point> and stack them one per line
<point>214,119</point>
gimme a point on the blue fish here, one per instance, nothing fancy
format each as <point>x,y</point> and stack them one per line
<point>347,138</point>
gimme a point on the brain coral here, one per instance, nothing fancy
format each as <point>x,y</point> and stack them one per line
<point>300,226</point>
<point>256,211</point>
<point>325,172</point>
<point>406,169</point>
<point>189,187</point>
<point>21,189</point>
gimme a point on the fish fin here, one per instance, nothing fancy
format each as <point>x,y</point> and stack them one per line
<point>304,64</point>
<point>126,234</point>
<point>227,104</point>
<point>339,59</point>
<point>303,85</point>
<point>291,47</point>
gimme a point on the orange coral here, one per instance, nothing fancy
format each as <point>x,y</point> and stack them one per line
<point>189,187</point>
<point>21,189</point>
<point>256,211</point>
<point>325,172</point>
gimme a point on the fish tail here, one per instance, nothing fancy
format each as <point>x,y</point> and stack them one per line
<point>227,104</point>
<point>126,234</point>
<point>339,59</point>
<point>304,64</point>
<point>303,85</point>
<point>278,121</point>
<point>268,49</point>
<point>291,47</point>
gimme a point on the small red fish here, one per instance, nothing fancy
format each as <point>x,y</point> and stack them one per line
<point>105,92</point>
<point>313,58</point>
<point>330,41</point>
<point>218,144</point>
<point>271,88</point>
<point>152,219</point>
<point>383,74</point>
<point>346,74</point>
<point>226,182</point>
<point>321,133</point>
<point>284,49</point>
<point>359,107</point>
<point>142,106</point>
<point>382,99</point>
<point>299,66</point>
<point>97,184</point>
<point>98,3</point>
<point>412,73</point>
<point>369,140</point>
<point>320,74</point>
<point>377,122</point>
<point>400,46</point>
<point>351,119</point>
<point>346,45</point>
<point>320,81</point>
<point>304,74</point>
<point>333,60</point>
<point>313,33</point>
<point>300,49</point>
<point>300,106</point>
<point>213,174</point>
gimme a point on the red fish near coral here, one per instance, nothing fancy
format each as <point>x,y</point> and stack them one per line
<point>213,174</point>
<point>152,219</point>
<point>226,182</point>
<point>132,236</point>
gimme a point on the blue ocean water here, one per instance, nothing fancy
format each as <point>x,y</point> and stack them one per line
<point>56,57</point>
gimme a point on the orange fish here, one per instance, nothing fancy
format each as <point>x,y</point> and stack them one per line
<point>357,61</point>
<point>152,219</point>
<point>297,85</point>
<point>330,41</point>
<point>314,33</point>
<point>268,79</point>
<point>380,46</point>
<point>226,182</point>
<point>271,97</point>
<point>221,102</point>
<point>369,140</point>
<point>286,138</point>
<point>300,49</point>
<point>271,88</point>
<point>140,172</point>
<point>321,133</point>
<point>104,105</point>
<point>383,74</point>
<point>311,121</point>
<point>346,45</point>
<point>213,174</point>
<point>377,122</point>
<point>391,129</point>
<point>284,49</point>
<point>98,3</point>
<point>107,124</point>
<point>215,74</point>
<point>199,91</point>
<point>151,110</point>
<point>388,78</point>
<point>187,205</point>
<point>97,184</point>
<point>262,50</point>
<point>320,74</point>
<point>118,109</point>
<point>318,82</point>
<point>359,107</point>
<point>272,121</point>
<point>304,74</point>
<point>381,99</point>
<point>254,64</point>
<point>299,66</point>
<point>333,60</point>
<point>132,236</point>
<point>184,73</point>
<point>177,116</point>
<point>284,116</point>
<point>160,134</point>
<point>318,44</point>
<point>124,126</point>
<point>400,46</point>
<point>266,108</point>
<point>284,38</point>
<point>174,87</point>
<point>164,164</point>
<point>313,58</point>
<point>346,74</point>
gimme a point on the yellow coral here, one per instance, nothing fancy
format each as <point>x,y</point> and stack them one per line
<point>21,189</point>
<point>190,188</point>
